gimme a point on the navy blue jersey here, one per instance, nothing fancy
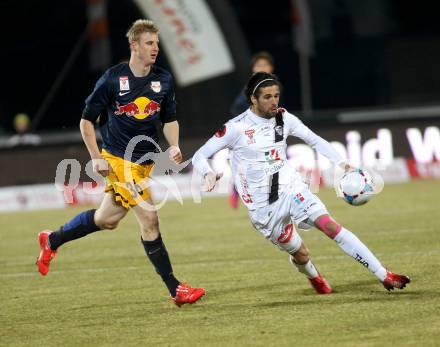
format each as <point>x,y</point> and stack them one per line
<point>128,106</point>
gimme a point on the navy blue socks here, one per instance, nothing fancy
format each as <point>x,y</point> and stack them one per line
<point>83,224</point>
<point>158,255</point>
<point>79,226</point>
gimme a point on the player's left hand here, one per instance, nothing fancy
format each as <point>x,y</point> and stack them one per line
<point>346,167</point>
<point>175,154</point>
<point>210,180</point>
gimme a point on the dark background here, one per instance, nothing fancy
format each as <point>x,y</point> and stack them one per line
<point>370,53</point>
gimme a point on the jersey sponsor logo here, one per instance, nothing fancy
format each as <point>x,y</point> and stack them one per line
<point>272,155</point>
<point>123,83</point>
<point>155,86</point>
<point>273,167</point>
<point>221,132</point>
<point>273,162</point>
<point>250,134</point>
<point>140,108</point>
<point>286,234</point>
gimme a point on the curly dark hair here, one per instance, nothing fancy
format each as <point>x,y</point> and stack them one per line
<point>257,81</point>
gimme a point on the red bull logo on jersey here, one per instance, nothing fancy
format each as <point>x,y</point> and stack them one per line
<point>140,108</point>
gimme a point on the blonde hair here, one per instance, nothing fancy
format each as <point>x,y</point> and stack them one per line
<point>139,27</point>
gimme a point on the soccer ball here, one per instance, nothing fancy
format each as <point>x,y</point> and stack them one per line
<point>356,187</point>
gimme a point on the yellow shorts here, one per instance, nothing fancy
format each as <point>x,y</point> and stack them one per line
<point>127,181</point>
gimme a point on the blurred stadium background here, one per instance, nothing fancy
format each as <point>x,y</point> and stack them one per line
<point>364,74</point>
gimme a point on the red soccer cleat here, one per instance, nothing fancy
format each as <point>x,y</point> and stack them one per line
<point>187,295</point>
<point>46,253</point>
<point>321,285</point>
<point>395,281</point>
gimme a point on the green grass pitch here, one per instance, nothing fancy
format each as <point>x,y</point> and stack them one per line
<point>102,291</point>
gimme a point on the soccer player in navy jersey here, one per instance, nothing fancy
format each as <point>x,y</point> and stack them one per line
<point>129,100</point>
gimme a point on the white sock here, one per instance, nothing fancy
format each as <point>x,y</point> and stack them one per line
<point>307,269</point>
<point>354,247</point>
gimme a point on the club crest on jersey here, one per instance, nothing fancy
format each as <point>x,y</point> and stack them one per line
<point>279,130</point>
<point>155,86</point>
<point>250,134</point>
<point>123,83</point>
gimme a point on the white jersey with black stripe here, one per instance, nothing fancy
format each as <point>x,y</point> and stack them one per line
<point>257,159</point>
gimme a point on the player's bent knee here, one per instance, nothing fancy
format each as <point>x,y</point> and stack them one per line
<point>150,228</point>
<point>328,225</point>
<point>302,252</point>
<point>150,222</point>
<point>301,256</point>
<point>287,239</point>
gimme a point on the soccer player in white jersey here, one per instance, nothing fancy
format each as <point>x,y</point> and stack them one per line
<point>273,191</point>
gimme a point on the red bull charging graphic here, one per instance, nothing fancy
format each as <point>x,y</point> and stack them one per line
<point>140,108</point>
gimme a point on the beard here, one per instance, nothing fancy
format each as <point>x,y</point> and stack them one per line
<point>271,113</point>
<point>264,113</point>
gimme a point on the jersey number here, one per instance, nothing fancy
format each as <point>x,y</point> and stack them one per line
<point>134,188</point>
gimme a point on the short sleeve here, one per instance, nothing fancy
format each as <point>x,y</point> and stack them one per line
<point>168,107</point>
<point>98,100</point>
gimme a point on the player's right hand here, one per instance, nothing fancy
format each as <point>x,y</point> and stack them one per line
<point>210,179</point>
<point>175,154</point>
<point>101,166</point>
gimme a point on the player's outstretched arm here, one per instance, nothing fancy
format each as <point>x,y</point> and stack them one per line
<point>210,180</point>
<point>322,146</point>
<point>223,138</point>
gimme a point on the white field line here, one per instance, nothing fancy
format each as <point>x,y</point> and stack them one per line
<point>214,263</point>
